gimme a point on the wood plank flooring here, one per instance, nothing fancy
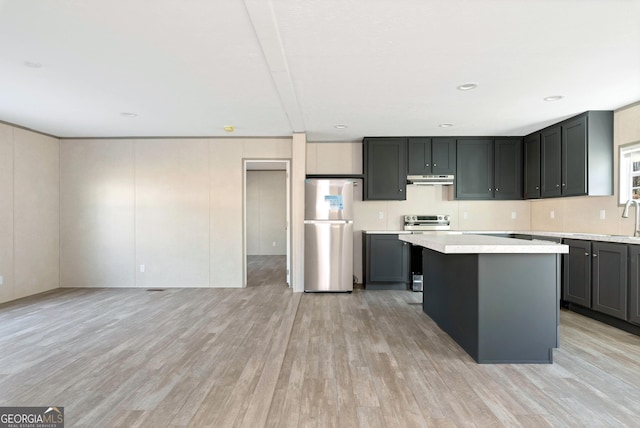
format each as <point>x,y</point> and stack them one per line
<point>264,356</point>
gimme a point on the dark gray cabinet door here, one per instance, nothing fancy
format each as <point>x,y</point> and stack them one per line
<point>576,287</point>
<point>474,169</point>
<point>634,284</point>
<point>443,156</point>
<point>419,156</point>
<point>609,280</point>
<point>574,157</point>
<point>432,156</point>
<point>508,168</point>
<point>385,168</point>
<point>532,166</point>
<point>551,148</point>
<point>387,259</point>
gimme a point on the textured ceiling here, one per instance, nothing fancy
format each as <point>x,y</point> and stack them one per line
<point>270,68</point>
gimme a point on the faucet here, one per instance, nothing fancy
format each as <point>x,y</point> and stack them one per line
<point>625,214</point>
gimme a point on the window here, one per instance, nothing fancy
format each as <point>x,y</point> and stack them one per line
<point>629,172</point>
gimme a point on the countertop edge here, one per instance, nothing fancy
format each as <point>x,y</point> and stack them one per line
<point>478,244</point>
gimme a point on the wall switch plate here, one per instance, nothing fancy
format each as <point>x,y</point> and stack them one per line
<point>274,243</point>
<point>380,215</point>
<point>513,215</point>
<point>603,214</point>
<point>552,214</point>
<point>465,215</point>
<point>1,280</point>
<point>142,268</point>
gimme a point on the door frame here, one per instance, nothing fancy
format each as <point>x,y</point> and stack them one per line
<point>286,164</point>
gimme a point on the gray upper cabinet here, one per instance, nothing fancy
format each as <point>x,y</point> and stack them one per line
<point>508,168</point>
<point>551,146</point>
<point>432,156</point>
<point>574,157</point>
<point>532,166</point>
<point>577,156</point>
<point>385,168</point>
<point>489,169</point>
<point>474,169</point>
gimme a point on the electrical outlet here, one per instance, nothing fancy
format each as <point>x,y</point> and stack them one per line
<point>513,215</point>
<point>552,214</point>
<point>603,214</point>
<point>465,215</point>
<point>274,243</point>
<point>142,268</point>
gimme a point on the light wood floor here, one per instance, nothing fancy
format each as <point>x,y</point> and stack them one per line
<point>264,356</point>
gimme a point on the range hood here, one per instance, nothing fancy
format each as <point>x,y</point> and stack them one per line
<point>430,180</point>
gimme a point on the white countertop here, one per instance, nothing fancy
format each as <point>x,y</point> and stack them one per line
<point>621,239</point>
<point>459,243</point>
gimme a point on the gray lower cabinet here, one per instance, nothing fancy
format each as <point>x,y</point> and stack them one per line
<point>634,284</point>
<point>595,276</point>
<point>609,279</point>
<point>576,284</point>
<point>386,262</point>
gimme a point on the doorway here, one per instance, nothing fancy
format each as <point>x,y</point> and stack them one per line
<point>267,207</point>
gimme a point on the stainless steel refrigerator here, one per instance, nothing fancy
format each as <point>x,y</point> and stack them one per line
<point>328,235</point>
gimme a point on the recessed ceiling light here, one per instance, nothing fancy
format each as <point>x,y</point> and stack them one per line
<point>467,86</point>
<point>128,114</point>
<point>33,64</point>
<point>554,98</point>
<point>445,125</point>
<point>340,126</point>
<point>229,128</point>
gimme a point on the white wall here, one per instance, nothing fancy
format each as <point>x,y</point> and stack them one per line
<point>29,213</point>
<point>97,222</point>
<point>266,212</point>
<point>173,205</point>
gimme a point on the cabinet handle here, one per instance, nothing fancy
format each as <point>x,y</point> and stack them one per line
<point>427,165</point>
<point>557,185</point>
<point>595,255</point>
<point>400,190</point>
<point>586,254</point>
<point>489,188</point>
<point>435,165</point>
<point>497,190</point>
<point>564,185</point>
<point>537,187</point>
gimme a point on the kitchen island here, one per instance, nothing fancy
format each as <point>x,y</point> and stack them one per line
<point>498,298</point>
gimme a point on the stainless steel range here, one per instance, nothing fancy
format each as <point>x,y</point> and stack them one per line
<point>423,223</point>
<point>427,222</point>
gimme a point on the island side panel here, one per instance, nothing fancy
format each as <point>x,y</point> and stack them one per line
<point>518,308</point>
<point>450,296</point>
